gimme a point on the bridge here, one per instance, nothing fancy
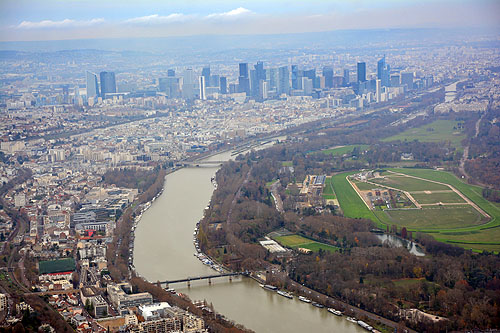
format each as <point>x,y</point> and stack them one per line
<point>203,277</point>
<point>199,163</point>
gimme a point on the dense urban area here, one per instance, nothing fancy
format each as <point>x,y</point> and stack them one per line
<point>381,192</point>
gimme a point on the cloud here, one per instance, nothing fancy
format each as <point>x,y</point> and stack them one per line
<point>158,19</point>
<point>66,23</point>
<point>230,15</point>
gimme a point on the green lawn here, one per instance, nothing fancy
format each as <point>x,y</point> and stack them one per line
<point>364,186</point>
<point>350,202</point>
<point>328,192</point>
<point>446,197</point>
<point>437,131</point>
<point>409,184</point>
<point>462,226</point>
<point>295,241</point>
<point>471,191</point>
<point>287,163</point>
<point>439,218</point>
<point>338,151</point>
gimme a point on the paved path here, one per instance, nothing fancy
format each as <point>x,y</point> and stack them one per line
<point>276,196</point>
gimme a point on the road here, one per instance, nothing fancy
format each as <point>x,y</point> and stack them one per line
<point>277,197</point>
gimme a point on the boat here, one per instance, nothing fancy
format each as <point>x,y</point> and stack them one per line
<point>269,287</point>
<point>352,320</point>
<point>284,294</point>
<point>365,325</point>
<point>317,305</point>
<point>304,299</point>
<point>335,312</point>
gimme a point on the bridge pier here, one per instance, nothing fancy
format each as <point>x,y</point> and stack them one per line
<point>230,278</point>
<point>189,283</point>
<point>209,281</point>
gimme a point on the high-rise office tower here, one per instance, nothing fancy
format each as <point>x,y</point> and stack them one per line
<point>205,72</point>
<point>171,73</point>
<point>243,79</point>
<point>395,80</point>
<point>328,75</point>
<point>307,85</point>
<point>169,85</point>
<point>223,85</point>
<point>361,71</point>
<point>214,81</point>
<point>256,76</point>
<point>92,85</point>
<point>272,77</point>
<point>108,83</point>
<point>188,84</point>
<point>203,95</point>
<point>378,90</point>
<point>383,72</point>
<point>407,79</point>
<point>295,77</point>
<point>346,77</point>
<point>284,80</point>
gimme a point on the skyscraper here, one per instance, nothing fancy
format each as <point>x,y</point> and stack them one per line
<point>203,95</point>
<point>223,85</point>
<point>295,77</point>
<point>92,85</point>
<point>243,79</point>
<point>284,80</point>
<point>383,72</point>
<point>188,84</point>
<point>346,77</point>
<point>407,79</point>
<point>378,90</point>
<point>108,83</point>
<point>257,75</point>
<point>205,72</point>
<point>328,75</point>
<point>361,71</point>
<point>171,73</point>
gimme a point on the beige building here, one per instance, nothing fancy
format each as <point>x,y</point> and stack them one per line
<point>3,302</point>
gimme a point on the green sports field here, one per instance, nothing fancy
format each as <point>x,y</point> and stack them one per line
<point>409,184</point>
<point>296,241</point>
<point>461,225</point>
<point>437,131</point>
<point>433,197</point>
<point>339,151</point>
<point>444,217</point>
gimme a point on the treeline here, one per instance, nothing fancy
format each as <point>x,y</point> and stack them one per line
<point>485,152</point>
<point>450,282</point>
<point>131,178</point>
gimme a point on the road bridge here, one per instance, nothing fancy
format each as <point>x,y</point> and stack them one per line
<point>203,277</point>
<point>200,163</point>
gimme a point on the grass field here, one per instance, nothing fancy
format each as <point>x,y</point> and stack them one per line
<point>328,192</point>
<point>364,186</point>
<point>295,241</point>
<point>350,202</point>
<point>460,225</point>
<point>446,197</point>
<point>343,150</point>
<point>437,131</point>
<point>436,217</point>
<point>409,184</point>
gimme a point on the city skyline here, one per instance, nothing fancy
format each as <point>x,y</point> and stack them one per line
<point>59,20</point>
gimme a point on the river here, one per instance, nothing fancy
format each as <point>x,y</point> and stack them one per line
<point>164,251</point>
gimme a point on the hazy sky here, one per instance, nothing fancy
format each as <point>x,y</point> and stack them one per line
<point>75,19</point>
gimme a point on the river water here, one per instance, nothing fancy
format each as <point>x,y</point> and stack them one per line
<point>164,251</point>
